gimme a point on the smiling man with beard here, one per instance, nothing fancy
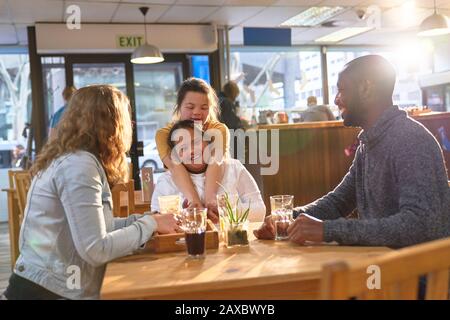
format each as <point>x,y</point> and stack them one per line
<point>397,181</point>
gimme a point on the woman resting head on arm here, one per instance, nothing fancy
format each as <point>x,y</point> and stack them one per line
<point>197,101</point>
<point>68,226</point>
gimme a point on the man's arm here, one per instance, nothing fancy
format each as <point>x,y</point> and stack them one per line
<point>338,203</point>
<point>423,202</point>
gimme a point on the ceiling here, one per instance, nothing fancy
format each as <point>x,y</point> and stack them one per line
<point>396,24</point>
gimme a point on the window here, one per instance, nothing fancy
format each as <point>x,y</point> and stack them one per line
<point>274,79</point>
<point>15,112</point>
<point>318,93</point>
<point>415,95</point>
<point>408,67</point>
<point>54,81</point>
<point>334,90</point>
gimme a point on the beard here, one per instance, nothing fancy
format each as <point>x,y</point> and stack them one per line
<point>356,113</point>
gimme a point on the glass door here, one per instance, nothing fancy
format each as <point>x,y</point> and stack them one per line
<point>155,88</point>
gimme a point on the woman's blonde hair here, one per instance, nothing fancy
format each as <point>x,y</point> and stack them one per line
<point>97,120</point>
<point>200,86</point>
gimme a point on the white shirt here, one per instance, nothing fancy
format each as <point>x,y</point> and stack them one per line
<point>236,180</point>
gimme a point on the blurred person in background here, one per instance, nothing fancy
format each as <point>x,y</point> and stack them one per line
<point>66,94</point>
<point>316,112</point>
<point>229,106</point>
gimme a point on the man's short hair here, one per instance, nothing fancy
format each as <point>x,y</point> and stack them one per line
<point>374,68</point>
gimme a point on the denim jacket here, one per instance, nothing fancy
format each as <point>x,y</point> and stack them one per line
<point>69,233</point>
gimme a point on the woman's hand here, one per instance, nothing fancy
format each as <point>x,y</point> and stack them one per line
<point>166,223</point>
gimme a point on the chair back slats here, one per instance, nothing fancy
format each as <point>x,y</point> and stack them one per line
<point>399,272</point>
<point>127,187</point>
<point>437,285</point>
<point>19,183</point>
<point>22,181</point>
<point>406,290</point>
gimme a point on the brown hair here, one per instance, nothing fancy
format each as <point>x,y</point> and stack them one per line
<point>97,120</point>
<point>231,90</point>
<point>68,92</point>
<point>200,86</point>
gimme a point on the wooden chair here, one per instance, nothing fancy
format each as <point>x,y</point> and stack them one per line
<point>22,181</point>
<point>16,209</point>
<point>399,273</point>
<point>130,170</point>
<point>127,187</point>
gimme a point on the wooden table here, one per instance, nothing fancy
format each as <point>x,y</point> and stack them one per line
<point>140,206</point>
<point>264,270</point>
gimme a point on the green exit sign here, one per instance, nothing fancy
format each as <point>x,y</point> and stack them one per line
<point>129,41</point>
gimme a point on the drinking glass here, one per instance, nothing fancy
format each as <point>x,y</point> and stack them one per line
<point>194,226</point>
<point>281,207</point>
<point>169,204</point>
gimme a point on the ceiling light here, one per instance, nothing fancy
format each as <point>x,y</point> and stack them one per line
<point>312,16</point>
<point>343,34</point>
<point>434,25</point>
<point>146,53</point>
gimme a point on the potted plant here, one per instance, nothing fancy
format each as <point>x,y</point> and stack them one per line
<point>235,223</point>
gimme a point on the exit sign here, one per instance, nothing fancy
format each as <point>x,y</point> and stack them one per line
<point>129,41</point>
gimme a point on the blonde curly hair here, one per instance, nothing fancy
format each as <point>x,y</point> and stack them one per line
<point>97,120</point>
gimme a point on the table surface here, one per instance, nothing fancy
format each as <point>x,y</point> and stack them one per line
<point>264,262</point>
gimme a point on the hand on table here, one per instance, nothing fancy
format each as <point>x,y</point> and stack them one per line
<point>306,228</point>
<point>266,231</point>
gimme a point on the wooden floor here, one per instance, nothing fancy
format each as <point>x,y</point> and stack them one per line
<point>5,266</point>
